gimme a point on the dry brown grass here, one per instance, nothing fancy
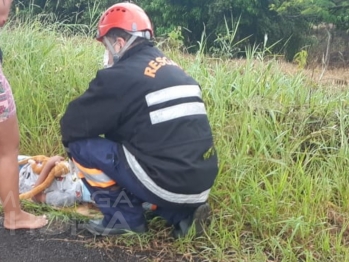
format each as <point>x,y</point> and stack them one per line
<point>331,77</point>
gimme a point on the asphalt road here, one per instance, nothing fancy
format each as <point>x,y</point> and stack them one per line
<point>57,243</point>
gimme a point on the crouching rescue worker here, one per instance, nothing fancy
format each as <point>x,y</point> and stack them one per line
<point>140,133</point>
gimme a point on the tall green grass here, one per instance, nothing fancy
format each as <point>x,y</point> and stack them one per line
<point>281,194</point>
<point>46,70</point>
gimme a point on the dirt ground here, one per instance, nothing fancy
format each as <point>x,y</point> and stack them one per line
<point>58,242</point>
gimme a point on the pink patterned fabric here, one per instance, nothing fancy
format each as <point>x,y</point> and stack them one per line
<point>7,103</point>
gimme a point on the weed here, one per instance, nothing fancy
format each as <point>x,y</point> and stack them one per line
<point>281,193</point>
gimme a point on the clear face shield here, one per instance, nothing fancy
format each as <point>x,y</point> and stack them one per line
<point>110,50</point>
<point>106,59</point>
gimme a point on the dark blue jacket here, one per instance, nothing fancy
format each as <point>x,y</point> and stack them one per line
<point>151,107</point>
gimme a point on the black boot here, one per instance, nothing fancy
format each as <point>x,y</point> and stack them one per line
<point>97,228</point>
<point>200,217</point>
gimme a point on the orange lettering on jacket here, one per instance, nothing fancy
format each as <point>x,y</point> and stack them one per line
<point>155,65</point>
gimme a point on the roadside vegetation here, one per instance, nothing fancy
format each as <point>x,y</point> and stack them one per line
<point>282,190</point>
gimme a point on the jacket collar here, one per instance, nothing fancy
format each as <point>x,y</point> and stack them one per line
<point>133,50</point>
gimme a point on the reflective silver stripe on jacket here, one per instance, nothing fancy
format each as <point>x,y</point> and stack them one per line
<point>160,192</point>
<point>171,93</point>
<point>176,111</point>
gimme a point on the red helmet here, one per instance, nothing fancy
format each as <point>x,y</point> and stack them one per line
<point>126,16</point>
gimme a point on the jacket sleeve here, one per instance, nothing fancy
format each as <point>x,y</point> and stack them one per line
<point>92,114</point>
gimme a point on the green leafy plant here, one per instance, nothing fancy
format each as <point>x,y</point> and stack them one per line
<point>226,44</point>
<point>301,59</point>
<point>282,189</point>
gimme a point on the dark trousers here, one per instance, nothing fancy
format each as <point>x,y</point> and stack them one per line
<point>121,205</point>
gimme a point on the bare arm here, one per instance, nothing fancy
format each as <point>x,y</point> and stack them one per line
<point>5,7</point>
<point>47,169</point>
<point>41,197</point>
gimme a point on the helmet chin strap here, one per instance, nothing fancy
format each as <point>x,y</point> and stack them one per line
<point>117,56</point>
